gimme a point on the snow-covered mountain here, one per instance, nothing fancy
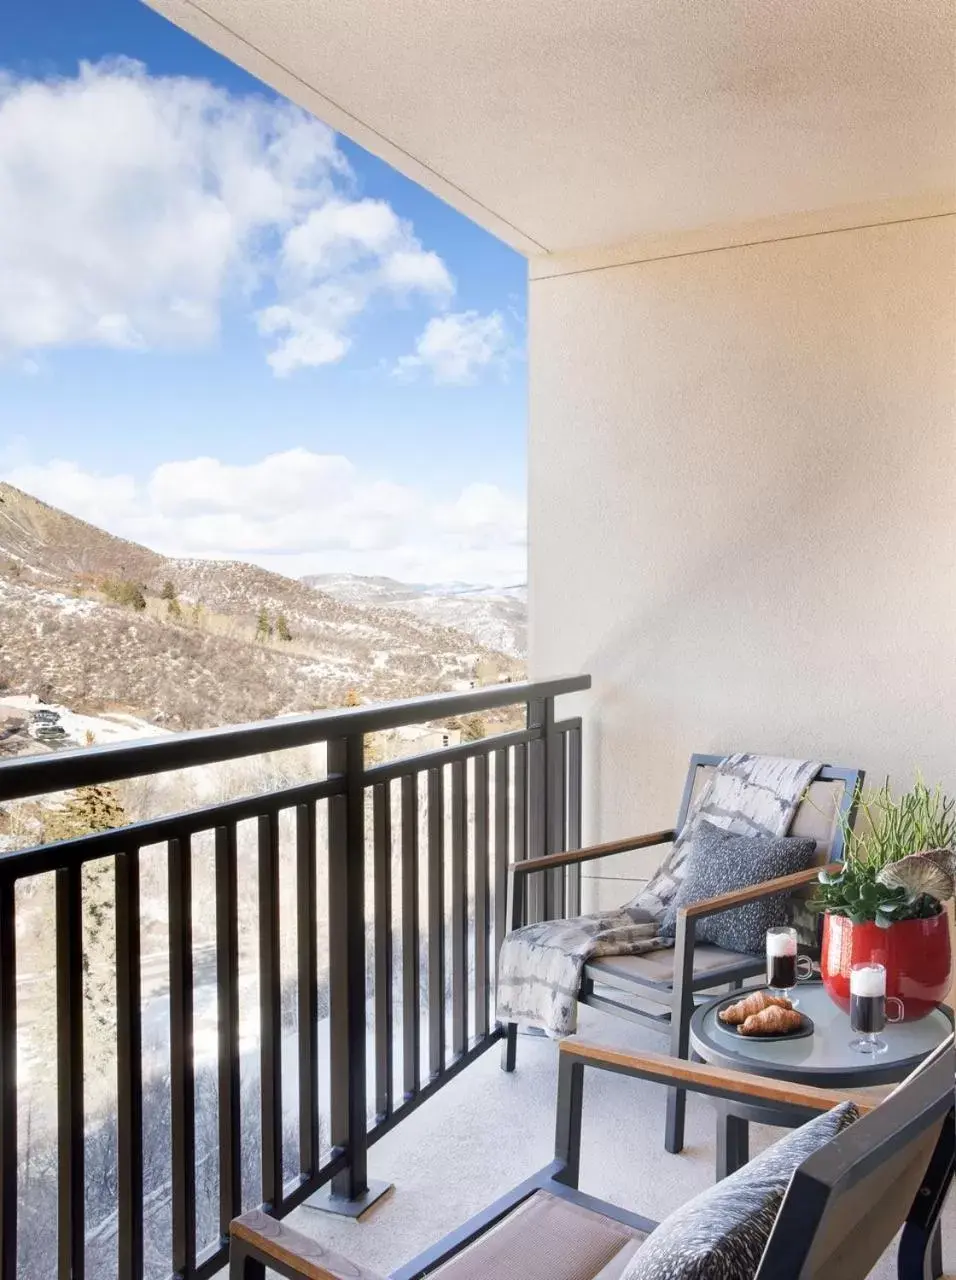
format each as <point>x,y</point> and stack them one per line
<point>497,617</point>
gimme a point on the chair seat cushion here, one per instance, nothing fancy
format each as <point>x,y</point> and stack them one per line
<point>545,1238</point>
<point>720,863</point>
<point>722,1233</point>
<point>656,968</point>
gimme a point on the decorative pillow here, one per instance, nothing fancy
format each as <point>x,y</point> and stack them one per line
<point>721,1234</point>
<point>719,862</point>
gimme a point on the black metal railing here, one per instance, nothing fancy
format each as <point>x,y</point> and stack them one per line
<point>383,994</point>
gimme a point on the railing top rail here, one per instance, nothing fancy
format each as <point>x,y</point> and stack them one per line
<point>39,775</point>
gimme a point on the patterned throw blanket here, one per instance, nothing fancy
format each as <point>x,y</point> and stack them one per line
<point>540,965</point>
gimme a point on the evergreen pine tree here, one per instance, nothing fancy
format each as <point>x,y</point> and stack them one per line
<point>91,809</point>
<point>263,626</point>
<point>282,628</point>
<point>168,592</point>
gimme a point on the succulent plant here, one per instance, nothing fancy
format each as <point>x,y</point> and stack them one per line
<point>899,863</point>
<point>855,891</point>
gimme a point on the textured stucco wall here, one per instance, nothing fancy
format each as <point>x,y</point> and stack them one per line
<point>743,510</point>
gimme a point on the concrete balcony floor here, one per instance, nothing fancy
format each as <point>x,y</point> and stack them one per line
<point>486,1131</point>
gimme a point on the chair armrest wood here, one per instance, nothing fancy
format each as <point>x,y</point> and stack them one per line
<point>530,865</point>
<point>715,1081</point>
<point>289,1248</point>
<point>727,901</point>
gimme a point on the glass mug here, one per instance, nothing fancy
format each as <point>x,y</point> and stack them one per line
<point>868,1012</point>
<point>784,966</point>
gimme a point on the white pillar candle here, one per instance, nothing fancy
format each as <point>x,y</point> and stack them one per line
<point>781,944</point>
<point>868,982</point>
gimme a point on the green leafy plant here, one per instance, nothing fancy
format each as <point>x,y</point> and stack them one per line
<point>899,858</point>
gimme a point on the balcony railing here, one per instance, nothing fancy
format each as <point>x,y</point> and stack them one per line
<point>371,992</point>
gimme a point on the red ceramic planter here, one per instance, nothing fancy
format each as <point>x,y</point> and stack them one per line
<point>916,953</point>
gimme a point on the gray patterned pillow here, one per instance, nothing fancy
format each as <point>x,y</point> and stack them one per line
<point>721,1234</point>
<point>720,862</point>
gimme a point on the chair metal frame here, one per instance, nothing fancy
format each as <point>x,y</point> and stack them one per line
<point>812,1201</point>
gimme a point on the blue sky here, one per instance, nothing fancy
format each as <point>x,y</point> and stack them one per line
<point>212,300</point>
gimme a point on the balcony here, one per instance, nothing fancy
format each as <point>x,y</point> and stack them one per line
<point>324,966</point>
<point>230,1006</point>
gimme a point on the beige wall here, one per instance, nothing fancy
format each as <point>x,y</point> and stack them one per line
<point>743,510</point>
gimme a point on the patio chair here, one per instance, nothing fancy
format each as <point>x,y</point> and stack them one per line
<point>675,979</point>
<point>842,1208</point>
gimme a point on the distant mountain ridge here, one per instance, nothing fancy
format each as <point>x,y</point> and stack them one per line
<point>495,616</point>
<point>62,637</point>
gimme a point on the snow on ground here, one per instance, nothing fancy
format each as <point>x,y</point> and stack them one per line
<point>117,727</point>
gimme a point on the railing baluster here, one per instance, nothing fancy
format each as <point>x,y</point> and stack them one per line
<point>555,834</point>
<point>411,941</point>
<point>71,1229</point>
<point>436,922</point>
<point>305,885</point>
<point>8,1080</point>
<point>537,895</point>
<point>227,992</point>
<point>384,1021</point>
<point>181,1063</point>
<point>502,852</point>
<point>520,831</point>
<point>573,752</point>
<point>481,895</point>
<point>129,1068</point>
<point>270,1012</point>
<point>459,911</point>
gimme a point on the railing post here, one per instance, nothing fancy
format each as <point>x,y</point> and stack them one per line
<point>546,821</point>
<point>350,1193</point>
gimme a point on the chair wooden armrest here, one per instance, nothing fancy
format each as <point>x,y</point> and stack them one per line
<point>278,1245</point>
<point>713,1081</point>
<point>530,865</point>
<point>727,901</point>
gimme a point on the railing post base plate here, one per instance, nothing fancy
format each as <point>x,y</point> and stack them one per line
<point>357,1208</point>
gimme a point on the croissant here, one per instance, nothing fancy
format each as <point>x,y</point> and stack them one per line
<point>772,1021</point>
<point>737,1013</point>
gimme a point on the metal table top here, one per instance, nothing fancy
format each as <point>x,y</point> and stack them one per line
<point>825,1058</point>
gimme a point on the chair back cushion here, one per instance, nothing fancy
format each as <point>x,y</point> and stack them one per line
<point>721,1234</point>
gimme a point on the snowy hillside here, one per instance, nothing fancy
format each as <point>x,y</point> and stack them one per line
<point>494,616</point>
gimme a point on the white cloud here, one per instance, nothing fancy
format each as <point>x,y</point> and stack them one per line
<point>453,348</point>
<point>132,207</point>
<point>296,512</point>
<point>330,267</point>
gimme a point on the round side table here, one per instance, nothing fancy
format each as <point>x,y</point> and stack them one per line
<point>824,1059</point>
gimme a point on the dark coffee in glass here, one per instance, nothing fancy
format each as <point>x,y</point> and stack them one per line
<point>784,966</point>
<point>781,972</point>
<point>868,1013</point>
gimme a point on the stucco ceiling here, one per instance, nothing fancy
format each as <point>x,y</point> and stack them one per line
<point>562,124</point>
